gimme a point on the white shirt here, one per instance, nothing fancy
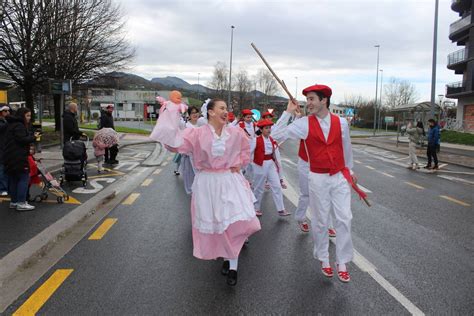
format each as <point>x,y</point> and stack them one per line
<point>218,142</point>
<point>267,145</point>
<point>299,129</point>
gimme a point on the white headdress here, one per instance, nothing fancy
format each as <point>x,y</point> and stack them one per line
<point>204,107</point>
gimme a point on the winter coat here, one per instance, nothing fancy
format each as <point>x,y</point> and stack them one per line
<point>433,135</point>
<point>414,134</point>
<point>71,128</point>
<point>106,120</point>
<point>17,146</point>
<point>3,133</point>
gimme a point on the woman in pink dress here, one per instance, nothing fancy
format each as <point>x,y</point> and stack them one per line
<point>222,211</point>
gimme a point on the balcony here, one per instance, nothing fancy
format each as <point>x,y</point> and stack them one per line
<point>455,88</point>
<point>458,56</point>
<point>459,25</point>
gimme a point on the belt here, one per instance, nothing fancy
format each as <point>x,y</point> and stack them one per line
<point>267,157</point>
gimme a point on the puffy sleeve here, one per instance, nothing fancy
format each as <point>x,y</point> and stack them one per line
<point>189,139</point>
<point>244,148</point>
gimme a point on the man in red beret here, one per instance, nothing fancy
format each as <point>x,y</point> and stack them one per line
<point>265,168</point>
<point>328,149</point>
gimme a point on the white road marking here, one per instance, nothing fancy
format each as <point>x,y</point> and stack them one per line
<point>402,158</point>
<point>131,164</point>
<point>456,179</point>
<point>442,165</point>
<point>95,184</point>
<point>366,266</point>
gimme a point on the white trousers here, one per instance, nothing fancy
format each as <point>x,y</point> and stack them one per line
<point>412,152</point>
<point>268,172</point>
<point>327,191</point>
<point>303,200</point>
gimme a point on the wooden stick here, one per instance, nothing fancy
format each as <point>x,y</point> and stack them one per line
<point>282,84</point>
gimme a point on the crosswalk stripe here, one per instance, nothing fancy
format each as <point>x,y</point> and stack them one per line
<point>454,200</point>
<point>414,185</point>
<point>131,198</point>
<point>34,303</point>
<point>103,229</point>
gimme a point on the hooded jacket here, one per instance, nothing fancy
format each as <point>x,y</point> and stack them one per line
<point>17,146</point>
<point>71,129</point>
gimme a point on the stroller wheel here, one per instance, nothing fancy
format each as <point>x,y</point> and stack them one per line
<point>60,200</point>
<point>38,199</point>
<point>44,196</point>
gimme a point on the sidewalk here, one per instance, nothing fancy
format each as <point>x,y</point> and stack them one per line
<point>455,154</point>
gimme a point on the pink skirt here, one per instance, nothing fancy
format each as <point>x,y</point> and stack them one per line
<point>225,245</point>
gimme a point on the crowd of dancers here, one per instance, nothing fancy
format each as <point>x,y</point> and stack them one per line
<point>228,163</point>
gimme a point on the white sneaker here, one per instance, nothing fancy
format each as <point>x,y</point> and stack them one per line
<point>4,193</point>
<point>24,207</point>
<point>13,205</point>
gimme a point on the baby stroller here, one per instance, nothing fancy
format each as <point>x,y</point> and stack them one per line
<point>75,162</point>
<point>39,175</point>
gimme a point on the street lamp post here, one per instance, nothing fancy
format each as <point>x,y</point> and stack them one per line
<point>433,67</point>
<point>376,87</point>
<point>230,72</point>
<point>380,103</point>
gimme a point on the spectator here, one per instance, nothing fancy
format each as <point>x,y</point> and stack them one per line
<point>71,129</point>
<point>4,112</point>
<point>17,147</point>
<point>433,141</point>
<point>107,120</point>
<point>413,138</point>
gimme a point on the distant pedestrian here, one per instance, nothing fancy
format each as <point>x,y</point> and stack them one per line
<point>414,134</point>
<point>4,112</point>
<point>71,128</point>
<point>186,167</point>
<point>107,120</point>
<point>17,148</point>
<point>433,141</point>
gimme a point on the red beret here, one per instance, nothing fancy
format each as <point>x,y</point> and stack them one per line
<point>230,116</point>
<point>267,114</point>
<point>264,122</point>
<point>325,90</point>
<point>247,112</point>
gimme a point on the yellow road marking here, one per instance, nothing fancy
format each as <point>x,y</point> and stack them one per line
<point>102,229</point>
<point>112,173</point>
<point>70,201</point>
<point>147,182</point>
<point>131,198</point>
<point>157,171</point>
<point>371,168</point>
<point>454,200</point>
<point>414,185</point>
<point>357,161</point>
<point>386,174</point>
<point>164,164</point>
<point>34,303</point>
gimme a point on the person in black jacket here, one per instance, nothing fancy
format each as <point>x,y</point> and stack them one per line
<point>71,128</point>
<point>107,120</point>
<point>4,112</point>
<point>17,146</point>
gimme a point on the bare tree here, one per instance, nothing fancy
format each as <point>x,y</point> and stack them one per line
<point>243,85</point>
<point>60,39</point>
<point>220,80</point>
<point>354,101</point>
<point>399,92</point>
<point>267,83</point>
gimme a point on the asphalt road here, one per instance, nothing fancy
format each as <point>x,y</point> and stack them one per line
<point>414,249</point>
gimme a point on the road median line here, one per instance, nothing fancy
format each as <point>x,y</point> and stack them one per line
<point>451,199</point>
<point>100,232</point>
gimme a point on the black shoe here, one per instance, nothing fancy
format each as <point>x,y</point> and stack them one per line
<point>232,278</point>
<point>427,167</point>
<point>225,267</point>
<point>107,162</point>
<point>114,162</point>
<point>176,173</point>
<point>435,167</point>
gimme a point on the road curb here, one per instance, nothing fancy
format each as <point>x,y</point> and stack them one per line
<point>22,267</point>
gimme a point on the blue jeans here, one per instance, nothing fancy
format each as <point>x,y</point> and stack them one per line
<point>3,179</point>
<point>18,186</point>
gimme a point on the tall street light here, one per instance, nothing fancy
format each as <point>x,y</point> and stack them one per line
<point>230,72</point>
<point>380,103</point>
<point>376,87</point>
<point>433,67</point>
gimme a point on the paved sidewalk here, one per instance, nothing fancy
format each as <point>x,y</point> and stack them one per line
<point>450,153</point>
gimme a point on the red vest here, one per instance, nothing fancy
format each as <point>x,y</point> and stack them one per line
<point>326,157</point>
<point>242,125</point>
<point>259,153</point>
<point>302,151</point>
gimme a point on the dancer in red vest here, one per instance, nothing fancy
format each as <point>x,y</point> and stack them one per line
<point>328,146</point>
<point>246,123</point>
<point>265,168</point>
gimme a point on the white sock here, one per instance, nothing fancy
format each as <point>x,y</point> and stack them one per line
<point>342,267</point>
<point>233,263</point>
<point>325,264</point>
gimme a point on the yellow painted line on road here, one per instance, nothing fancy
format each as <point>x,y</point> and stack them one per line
<point>112,173</point>
<point>414,185</point>
<point>34,303</point>
<point>371,168</point>
<point>147,182</point>
<point>102,229</point>
<point>157,171</point>
<point>454,200</point>
<point>131,198</point>
<point>164,164</point>
<point>386,174</point>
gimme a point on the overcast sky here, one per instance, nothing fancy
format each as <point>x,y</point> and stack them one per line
<point>319,41</point>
